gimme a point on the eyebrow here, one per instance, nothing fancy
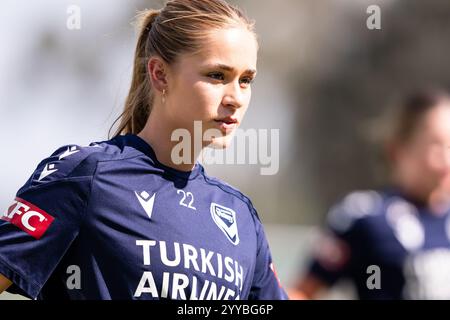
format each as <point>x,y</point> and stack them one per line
<point>231,69</point>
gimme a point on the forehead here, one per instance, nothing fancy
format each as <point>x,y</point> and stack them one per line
<point>235,47</point>
<point>437,120</point>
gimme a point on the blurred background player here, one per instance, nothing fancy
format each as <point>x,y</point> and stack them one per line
<point>394,243</point>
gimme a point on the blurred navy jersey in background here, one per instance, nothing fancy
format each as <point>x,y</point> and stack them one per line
<point>409,244</point>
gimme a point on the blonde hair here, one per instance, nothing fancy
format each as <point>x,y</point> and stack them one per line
<point>412,110</point>
<point>177,28</point>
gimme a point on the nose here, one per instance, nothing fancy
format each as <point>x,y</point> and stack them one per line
<point>234,95</point>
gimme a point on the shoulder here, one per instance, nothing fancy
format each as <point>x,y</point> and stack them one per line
<point>355,206</point>
<point>232,191</point>
<point>73,161</point>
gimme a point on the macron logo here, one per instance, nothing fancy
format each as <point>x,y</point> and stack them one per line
<point>146,201</point>
<point>48,170</point>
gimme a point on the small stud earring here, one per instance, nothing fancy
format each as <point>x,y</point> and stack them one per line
<point>164,96</point>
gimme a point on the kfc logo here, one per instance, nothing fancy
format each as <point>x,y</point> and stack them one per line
<point>28,217</point>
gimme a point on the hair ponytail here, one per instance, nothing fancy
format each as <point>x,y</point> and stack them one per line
<point>139,100</point>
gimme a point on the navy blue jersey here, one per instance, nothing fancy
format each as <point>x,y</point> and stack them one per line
<point>108,221</point>
<point>384,234</point>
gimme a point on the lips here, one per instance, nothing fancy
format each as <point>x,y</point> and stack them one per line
<point>227,120</point>
<point>227,123</point>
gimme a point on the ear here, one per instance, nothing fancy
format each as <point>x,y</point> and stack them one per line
<point>157,69</point>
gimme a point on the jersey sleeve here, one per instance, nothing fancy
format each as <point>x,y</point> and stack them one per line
<point>43,219</point>
<point>265,284</point>
<point>339,245</point>
<point>331,258</point>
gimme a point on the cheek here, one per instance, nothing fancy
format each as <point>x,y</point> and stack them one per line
<point>205,98</point>
<point>246,103</point>
<point>248,97</point>
<point>411,162</point>
<point>437,161</point>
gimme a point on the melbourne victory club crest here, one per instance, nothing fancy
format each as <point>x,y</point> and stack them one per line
<point>225,219</point>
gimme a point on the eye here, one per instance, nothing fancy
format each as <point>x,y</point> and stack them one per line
<point>247,81</point>
<point>217,76</point>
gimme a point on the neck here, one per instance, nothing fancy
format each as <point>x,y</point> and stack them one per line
<point>439,202</point>
<point>409,188</point>
<point>157,133</point>
<point>436,202</point>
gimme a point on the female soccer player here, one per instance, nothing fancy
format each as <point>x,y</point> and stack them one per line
<point>394,243</point>
<point>124,218</point>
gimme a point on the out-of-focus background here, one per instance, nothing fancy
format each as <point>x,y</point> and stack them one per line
<point>324,80</point>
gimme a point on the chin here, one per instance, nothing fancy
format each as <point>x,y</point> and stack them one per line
<point>220,143</point>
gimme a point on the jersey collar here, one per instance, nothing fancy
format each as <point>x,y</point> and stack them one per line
<point>141,145</point>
